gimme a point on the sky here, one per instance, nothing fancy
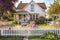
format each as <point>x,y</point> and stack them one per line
<point>47,2</point>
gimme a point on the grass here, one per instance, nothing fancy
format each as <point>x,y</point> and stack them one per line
<point>11,38</point>
<point>20,38</point>
<point>48,25</point>
<point>44,25</point>
<point>38,38</point>
<point>42,39</point>
<point>34,38</point>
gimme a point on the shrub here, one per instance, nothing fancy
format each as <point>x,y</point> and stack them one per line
<point>41,20</point>
<point>15,22</point>
<point>5,16</point>
<point>50,19</point>
<point>58,19</point>
<point>8,17</point>
<point>49,35</point>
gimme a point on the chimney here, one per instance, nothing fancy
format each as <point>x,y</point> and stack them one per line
<point>20,1</point>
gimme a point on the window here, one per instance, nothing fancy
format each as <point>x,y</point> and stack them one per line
<point>32,7</point>
<point>24,16</point>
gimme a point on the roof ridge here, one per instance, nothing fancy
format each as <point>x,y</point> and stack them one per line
<point>22,5</point>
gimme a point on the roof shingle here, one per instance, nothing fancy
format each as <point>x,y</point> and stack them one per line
<point>22,5</point>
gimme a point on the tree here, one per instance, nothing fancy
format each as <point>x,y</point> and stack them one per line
<point>7,5</point>
<point>8,17</point>
<point>57,0</point>
<point>54,9</point>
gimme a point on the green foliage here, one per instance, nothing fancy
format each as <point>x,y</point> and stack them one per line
<point>49,36</point>
<point>57,0</point>
<point>50,19</point>
<point>8,16</point>
<point>15,22</point>
<point>58,19</point>
<point>10,19</point>
<point>41,20</point>
<point>54,9</point>
<point>7,5</point>
<point>46,36</point>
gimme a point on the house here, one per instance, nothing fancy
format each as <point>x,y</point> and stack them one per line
<point>29,11</point>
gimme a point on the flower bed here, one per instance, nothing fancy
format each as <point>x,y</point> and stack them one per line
<point>7,24</point>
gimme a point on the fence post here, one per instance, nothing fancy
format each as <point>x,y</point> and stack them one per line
<point>26,37</point>
<point>1,32</point>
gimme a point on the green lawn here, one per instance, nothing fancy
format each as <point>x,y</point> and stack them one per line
<point>47,25</point>
<point>44,25</point>
<point>38,38</point>
<point>11,38</point>
<point>42,39</point>
<point>21,38</point>
<point>34,38</point>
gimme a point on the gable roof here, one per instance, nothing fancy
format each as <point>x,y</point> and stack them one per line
<point>22,5</point>
<point>42,5</point>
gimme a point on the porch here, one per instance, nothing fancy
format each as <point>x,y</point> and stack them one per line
<point>25,17</point>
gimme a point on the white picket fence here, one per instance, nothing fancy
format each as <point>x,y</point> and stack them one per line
<point>28,31</point>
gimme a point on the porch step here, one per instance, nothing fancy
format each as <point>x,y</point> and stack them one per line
<point>24,23</point>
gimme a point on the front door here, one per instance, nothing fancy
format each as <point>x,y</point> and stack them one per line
<point>23,18</point>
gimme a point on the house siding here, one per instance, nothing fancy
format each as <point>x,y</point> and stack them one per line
<point>37,9</point>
